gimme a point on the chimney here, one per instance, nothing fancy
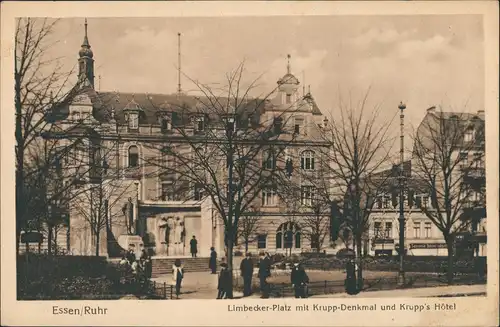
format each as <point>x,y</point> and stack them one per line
<point>480,113</point>
<point>431,110</point>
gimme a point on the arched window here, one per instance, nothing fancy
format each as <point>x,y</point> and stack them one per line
<point>279,239</point>
<point>307,160</point>
<point>288,236</point>
<point>133,156</point>
<point>268,159</point>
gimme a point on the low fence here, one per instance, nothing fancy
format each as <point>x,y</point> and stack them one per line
<point>161,290</point>
<point>375,284</point>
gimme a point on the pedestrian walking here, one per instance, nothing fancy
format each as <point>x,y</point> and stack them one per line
<point>212,263</point>
<point>246,268</point>
<point>224,285</point>
<point>299,280</point>
<point>194,246</point>
<point>350,283</point>
<point>263,274</point>
<point>177,276</point>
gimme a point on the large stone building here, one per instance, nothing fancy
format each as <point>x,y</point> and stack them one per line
<point>422,236</point>
<point>131,192</point>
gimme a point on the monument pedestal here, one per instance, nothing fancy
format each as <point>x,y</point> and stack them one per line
<point>125,240</point>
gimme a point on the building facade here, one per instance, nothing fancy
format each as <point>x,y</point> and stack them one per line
<point>422,236</point>
<point>134,156</point>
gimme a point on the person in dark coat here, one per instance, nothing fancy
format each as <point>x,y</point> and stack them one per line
<point>299,280</point>
<point>194,246</point>
<point>263,274</point>
<point>212,263</point>
<point>131,254</point>
<point>246,268</point>
<point>350,283</point>
<point>224,285</point>
<point>146,263</point>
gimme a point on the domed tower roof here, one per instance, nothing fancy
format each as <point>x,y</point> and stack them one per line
<point>288,78</point>
<point>86,50</point>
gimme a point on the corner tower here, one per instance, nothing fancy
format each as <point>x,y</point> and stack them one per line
<point>86,62</point>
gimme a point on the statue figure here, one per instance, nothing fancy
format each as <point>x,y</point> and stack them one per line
<point>128,212</point>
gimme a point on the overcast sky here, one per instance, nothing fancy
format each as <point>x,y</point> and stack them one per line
<point>421,60</point>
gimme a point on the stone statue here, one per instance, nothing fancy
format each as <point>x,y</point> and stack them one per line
<point>128,212</point>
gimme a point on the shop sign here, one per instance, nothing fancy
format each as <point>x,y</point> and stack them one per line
<point>414,246</point>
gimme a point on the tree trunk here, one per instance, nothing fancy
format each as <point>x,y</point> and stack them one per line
<point>450,268</point>
<point>246,247</point>
<point>49,240</point>
<point>230,266</point>
<point>97,244</point>
<point>359,249</point>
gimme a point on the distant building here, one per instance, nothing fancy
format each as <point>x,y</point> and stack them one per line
<point>422,237</point>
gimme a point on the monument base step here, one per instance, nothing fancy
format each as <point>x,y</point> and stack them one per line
<point>163,265</point>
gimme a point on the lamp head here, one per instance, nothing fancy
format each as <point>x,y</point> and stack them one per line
<point>402,106</point>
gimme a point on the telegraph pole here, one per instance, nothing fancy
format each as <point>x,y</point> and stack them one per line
<point>401,274</point>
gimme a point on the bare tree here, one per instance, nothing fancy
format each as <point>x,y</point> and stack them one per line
<point>226,148</point>
<point>249,226</point>
<point>360,147</point>
<point>315,224</point>
<point>448,160</point>
<point>40,86</point>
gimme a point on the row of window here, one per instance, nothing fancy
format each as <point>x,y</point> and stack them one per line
<point>200,124</point>
<point>476,162</point>
<point>288,236</point>
<point>392,201</point>
<point>417,229</point>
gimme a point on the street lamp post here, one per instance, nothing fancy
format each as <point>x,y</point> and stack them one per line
<point>401,274</point>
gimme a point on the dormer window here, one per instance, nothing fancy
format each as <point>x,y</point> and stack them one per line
<point>200,124</point>
<point>469,135</point>
<point>297,126</point>
<point>133,120</point>
<point>165,124</point>
<point>288,99</point>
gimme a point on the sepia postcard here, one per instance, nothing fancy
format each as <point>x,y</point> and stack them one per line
<point>249,163</point>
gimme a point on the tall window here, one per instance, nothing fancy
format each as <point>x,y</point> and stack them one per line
<point>469,135</point>
<point>388,229</point>
<point>288,98</point>
<point>167,191</point>
<point>268,196</point>
<point>133,120</point>
<point>269,159</point>
<point>428,227</point>
<point>307,160</point>
<point>380,202</point>
<point>464,160</point>
<point>198,192</point>
<point>377,227</point>
<point>425,201</point>
<point>133,156</point>
<point>416,229</point>
<point>288,236</point>
<point>307,195</point>
<point>261,241</point>
<point>478,160</point>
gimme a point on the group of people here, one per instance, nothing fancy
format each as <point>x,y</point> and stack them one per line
<point>141,265</point>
